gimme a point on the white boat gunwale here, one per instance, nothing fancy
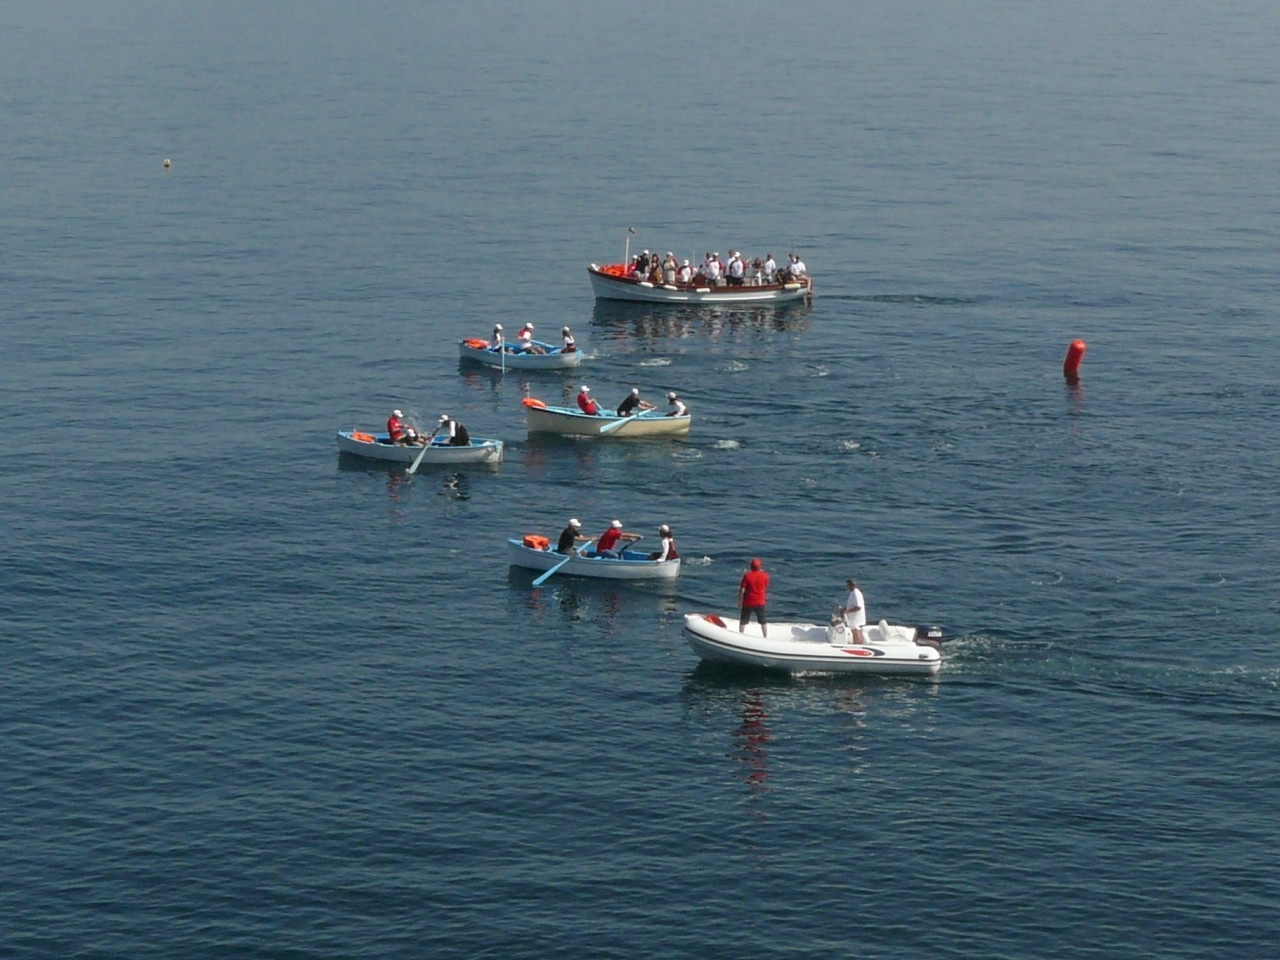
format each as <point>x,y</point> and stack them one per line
<point>796,647</point>
<point>480,450</point>
<point>553,359</point>
<point>610,286</point>
<point>570,421</point>
<point>633,565</point>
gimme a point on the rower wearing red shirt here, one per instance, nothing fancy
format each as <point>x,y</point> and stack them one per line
<point>586,403</point>
<point>397,432</point>
<point>612,541</point>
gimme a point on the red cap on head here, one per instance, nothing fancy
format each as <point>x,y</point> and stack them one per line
<point>755,564</point>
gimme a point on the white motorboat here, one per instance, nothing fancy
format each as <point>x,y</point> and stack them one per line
<point>611,282</point>
<point>535,553</point>
<point>378,446</point>
<point>571,422</point>
<point>552,357</point>
<point>814,648</point>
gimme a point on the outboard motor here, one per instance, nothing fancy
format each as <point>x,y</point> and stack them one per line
<point>838,628</point>
<point>929,636</point>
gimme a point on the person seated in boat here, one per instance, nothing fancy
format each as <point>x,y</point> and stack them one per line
<point>678,409</point>
<point>570,537</point>
<point>736,270</point>
<point>770,267</point>
<point>586,402</point>
<point>496,343</point>
<point>525,342</point>
<point>613,541</point>
<point>685,273</point>
<point>633,404</point>
<point>634,266</point>
<point>451,432</point>
<point>798,270</point>
<point>644,263</point>
<point>669,268</point>
<point>667,551</point>
<point>400,432</point>
<point>569,345</point>
<point>855,611</point>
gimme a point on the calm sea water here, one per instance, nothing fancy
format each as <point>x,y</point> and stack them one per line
<point>261,701</point>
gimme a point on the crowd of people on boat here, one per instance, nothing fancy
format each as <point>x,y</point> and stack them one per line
<point>630,406</point>
<point>713,271</point>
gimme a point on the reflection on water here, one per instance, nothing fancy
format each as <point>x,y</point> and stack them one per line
<point>576,600</point>
<point>746,709</point>
<point>626,320</point>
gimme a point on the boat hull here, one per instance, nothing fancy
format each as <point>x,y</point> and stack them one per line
<point>568,422</point>
<point>608,286</point>
<point>480,451</point>
<point>553,359</point>
<point>804,647</point>
<point>632,566</point>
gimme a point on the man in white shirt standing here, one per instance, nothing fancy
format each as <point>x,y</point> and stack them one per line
<point>855,610</point>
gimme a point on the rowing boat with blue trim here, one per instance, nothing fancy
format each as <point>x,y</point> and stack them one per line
<point>571,422</point>
<point>378,446</point>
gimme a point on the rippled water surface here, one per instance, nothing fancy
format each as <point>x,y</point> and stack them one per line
<point>263,701</point>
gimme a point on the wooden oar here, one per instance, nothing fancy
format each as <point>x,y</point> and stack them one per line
<point>413,467</point>
<point>542,578</point>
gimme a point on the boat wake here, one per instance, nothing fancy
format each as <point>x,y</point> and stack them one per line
<point>655,362</point>
<point>726,445</point>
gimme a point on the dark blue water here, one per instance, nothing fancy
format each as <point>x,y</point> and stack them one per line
<point>261,701</point>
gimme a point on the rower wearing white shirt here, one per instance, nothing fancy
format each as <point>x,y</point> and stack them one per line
<point>525,339</point>
<point>798,269</point>
<point>678,409</point>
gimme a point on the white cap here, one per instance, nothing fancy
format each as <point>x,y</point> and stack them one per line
<point>585,389</point>
<point>444,417</point>
<point>497,326</point>
<point>617,524</point>
<point>664,529</point>
<point>670,254</point>
<point>396,413</point>
<point>528,325</point>
<point>646,251</point>
<point>684,263</point>
<point>564,329</point>
<point>635,391</point>
<point>671,395</point>
<point>575,522</point>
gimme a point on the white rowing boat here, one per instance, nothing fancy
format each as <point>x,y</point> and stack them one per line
<point>378,446</point>
<point>812,648</point>
<point>571,422</point>
<point>554,358</point>
<point>610,282</point>
<point>631,566</point>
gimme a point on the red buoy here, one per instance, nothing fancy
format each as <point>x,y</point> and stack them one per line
<point>1071,365</point>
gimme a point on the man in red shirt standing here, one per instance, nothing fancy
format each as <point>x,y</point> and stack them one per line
<point>751,597</point>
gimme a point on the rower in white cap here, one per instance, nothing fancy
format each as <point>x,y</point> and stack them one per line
<point>586,403</point>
